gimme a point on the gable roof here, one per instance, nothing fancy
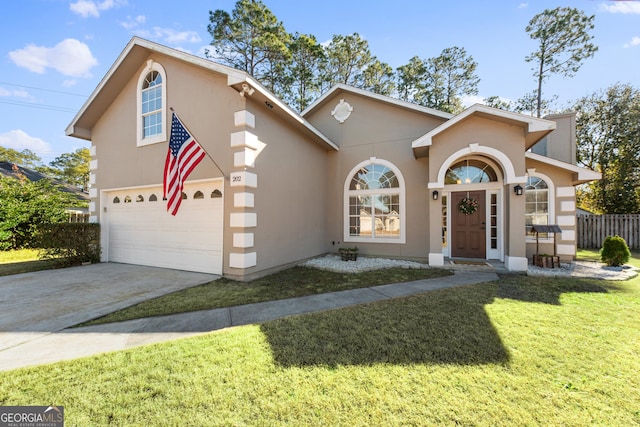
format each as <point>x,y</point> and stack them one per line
<point>136,53</point>
<point>339,88</point>
<point>535,128</point>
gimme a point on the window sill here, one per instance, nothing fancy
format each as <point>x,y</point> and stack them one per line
<point>352,239</point>
<point>152,140</point>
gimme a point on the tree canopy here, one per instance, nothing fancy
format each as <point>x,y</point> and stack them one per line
<point>299,69</point>
<point>73,168</point>
<point>564,42</point>
<point>26,157</point>
<point>608,137</point>
<point>250,39</point>
<point>70,168</point>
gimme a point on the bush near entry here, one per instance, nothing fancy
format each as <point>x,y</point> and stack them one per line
<point>615,251</point>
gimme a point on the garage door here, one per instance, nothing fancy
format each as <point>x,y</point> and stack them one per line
<point>141,231</point>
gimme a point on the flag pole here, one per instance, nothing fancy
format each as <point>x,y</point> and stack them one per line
<point>205,150</point>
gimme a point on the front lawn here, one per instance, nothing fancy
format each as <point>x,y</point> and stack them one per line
<point>294,282</point>
<point>523,351</point>
<point>23,261</point>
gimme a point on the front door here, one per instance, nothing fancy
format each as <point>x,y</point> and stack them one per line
<point>468,229</point>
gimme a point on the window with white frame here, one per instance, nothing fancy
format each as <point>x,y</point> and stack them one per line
<point>152,105</point>
<point>537,204</point>
<point>374,203</point>
<point>470,171</point>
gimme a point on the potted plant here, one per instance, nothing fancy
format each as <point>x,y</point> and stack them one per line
<point>349,254</point>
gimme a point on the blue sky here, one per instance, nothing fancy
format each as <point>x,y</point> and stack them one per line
<point>53,53</point>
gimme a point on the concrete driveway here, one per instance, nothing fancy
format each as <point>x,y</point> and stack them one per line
<point>36,304</point>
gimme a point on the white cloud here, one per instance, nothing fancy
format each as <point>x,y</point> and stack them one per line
<point>634,42</point>
<point>469,100</point>
<point>19,140</point>
<point>15,93</point>
<point>70,57</point>
<point>172,36</point>
<point>69,83</point>
<point>132,23</point>
<point>86,8</point>
<point>523,5</point>
<point>624,7</point>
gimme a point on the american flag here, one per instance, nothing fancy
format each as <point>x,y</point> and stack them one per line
<point>183,156</point>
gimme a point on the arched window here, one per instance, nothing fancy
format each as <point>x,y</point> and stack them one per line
<point>127,199</point>
<point>140,198</point>
<point>198,195</point>
<point>216,194</point>
<point>151,105</point>
<point>374,203</point>
<point>537,203</point>
<point>153,198</point>
<point>471,171</point>
<point>116,199</point>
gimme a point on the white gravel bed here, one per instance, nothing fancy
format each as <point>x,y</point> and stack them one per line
<point>335,263</point>
<point>585,269</point>
<point>574,269</point>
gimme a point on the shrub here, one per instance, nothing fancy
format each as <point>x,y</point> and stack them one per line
<point>25,205</point>
<point>70,243</point>
<point>614,251</point>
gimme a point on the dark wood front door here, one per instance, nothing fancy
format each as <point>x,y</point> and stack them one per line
<point>468,232</point>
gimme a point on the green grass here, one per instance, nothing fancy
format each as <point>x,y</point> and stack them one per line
<point>20,255</point>
<point>294,282</point>
<point>522,351</point>
<point>22,261</point>
<point>594,255</point>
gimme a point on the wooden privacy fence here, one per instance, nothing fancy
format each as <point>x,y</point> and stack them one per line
<point>593,229</point>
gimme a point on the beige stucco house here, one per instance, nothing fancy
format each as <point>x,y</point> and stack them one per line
<point>354,169</point>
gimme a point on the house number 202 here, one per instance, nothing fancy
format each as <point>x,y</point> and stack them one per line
<point>236,178</point>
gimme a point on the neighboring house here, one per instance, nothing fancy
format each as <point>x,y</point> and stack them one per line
<point>76,213</point>
<point>583,212</point>
<point>354,169</point>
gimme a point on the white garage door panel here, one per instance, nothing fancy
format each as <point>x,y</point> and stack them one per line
<point>142,232</point>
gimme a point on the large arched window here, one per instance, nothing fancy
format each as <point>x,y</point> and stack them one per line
<point>152,105</point>
<point>470,171</point>
<point>538,203</point>
<point>374,203</point>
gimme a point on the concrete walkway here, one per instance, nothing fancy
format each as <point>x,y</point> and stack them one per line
<point>66,344</point>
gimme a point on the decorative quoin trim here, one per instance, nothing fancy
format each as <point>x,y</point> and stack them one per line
<point>436,260</point>
<point>243,200</point>
<point>243,219</point>
<point>242,260</point>
<point>247,147</point>
<point>244,179</point>
<point>516,263</point>
<point>244,118</point>
<point>243,240</point>
<point>565,191</point>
